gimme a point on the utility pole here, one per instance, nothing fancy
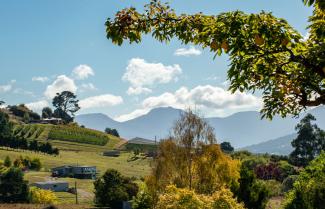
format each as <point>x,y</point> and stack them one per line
<point>76,190</point>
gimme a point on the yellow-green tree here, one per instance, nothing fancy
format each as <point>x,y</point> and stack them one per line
<point>191,159</point>
<point>176,198</point>
<point>41,196</point>
<point>266,53</point>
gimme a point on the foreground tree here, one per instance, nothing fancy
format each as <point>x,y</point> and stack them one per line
<point>252,192</point>
<point>191,159</point>
<point>112,189</point>
<point>309,142</point>
<point>266,53</point>
<point>184,198</point>
<point>66,105</point>
<point>13,187</point>
<point>309,189</point>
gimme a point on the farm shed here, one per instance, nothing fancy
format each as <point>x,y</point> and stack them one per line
<point>81,172</point>
<point>112,153</point>
<point>56,186</point>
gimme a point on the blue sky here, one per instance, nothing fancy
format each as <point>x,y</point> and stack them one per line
<point>46,46</point>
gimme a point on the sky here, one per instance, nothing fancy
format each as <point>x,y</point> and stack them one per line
<point>48,46</point>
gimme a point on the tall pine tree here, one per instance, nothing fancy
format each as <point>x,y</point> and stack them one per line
<point>309,142</point>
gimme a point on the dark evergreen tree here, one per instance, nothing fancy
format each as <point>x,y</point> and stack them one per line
<point>7,162</point>
<point>33,145</point>
<point>13,187</point>
<point>66,105</point>
<point>112,189</point>
<point>5,126</point>
<point>251,191</point>
<point>47,112</point>
<point>309,142</point>
<point>112,131</point>
<point>226,147</point>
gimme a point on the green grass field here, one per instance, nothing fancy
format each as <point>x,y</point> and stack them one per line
<point>138,168</point>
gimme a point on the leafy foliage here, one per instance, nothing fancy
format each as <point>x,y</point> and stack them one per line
<point>66,105</point>
<point>13,187</point>
<point>28,163</point>
<point>176,198</point>
<point>23,112</point>
<point>112,131</point>
<point>252,192</point>
<point>191,159</point>
<point>41,196</point>
<point>226,147</point>
<point>266,53</point>
<point>112,189</point>
<point>143,199</point>
<point>309,189</point>
<point>5,126</point>
<point>47,112</point>
<point>309,142</point>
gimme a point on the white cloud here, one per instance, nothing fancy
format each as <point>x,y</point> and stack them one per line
<point>40,79</point>
<point>82,72</point>
<point>208,99</point>
<point>138,90</point>
<point>62,83</point>
<point>142,74</point>
<point>105,100</point>
<point>37,106</point>
<point>7,87</point>
<point>192,51</point>
<point>87,87</point>
<point>132,115</point>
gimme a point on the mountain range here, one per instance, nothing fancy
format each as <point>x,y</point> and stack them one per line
<point>241,129</point>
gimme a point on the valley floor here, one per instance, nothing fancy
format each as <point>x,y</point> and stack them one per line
<point>137,168</point>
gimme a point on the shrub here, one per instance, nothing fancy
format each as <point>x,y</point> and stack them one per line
<point>13,187</point>
<point>7,162</point>
<point>176,198</point>
<point>309,189</point>
<point>143,199</point>
<point>41,196</point>
<point>252,192</point>
<point>288,182</point>
<point>112,189</point>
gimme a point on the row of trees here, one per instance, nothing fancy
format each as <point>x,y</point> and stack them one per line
<point>7,139</point>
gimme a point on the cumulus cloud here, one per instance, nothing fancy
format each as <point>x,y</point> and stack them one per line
<point>142,74</point>
<point>105,100</point>
<point>40,79</point>
<point>211,99</point>
<point>192,51</point>
<point>82,72</point>
<point>61,83</point>
<point>38,105</point>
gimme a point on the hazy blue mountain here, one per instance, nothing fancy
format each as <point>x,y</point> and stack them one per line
<point>241,129</point>
<point>279,146</point>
